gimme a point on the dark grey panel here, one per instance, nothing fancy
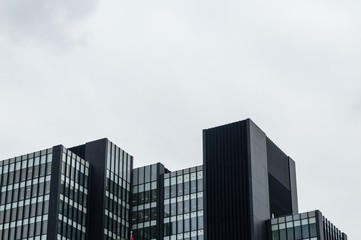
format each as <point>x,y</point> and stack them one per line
<point>278,164</point>
<point>293,181</point>
<point>260,210</point>
<point>54,193</point>
<point>95,153</point>
<point>319,222</point>
<point>226,171</point>
<point>78,150</point>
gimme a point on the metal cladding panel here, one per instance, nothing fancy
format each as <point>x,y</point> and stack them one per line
<point>95,153</point>
<point>227,188</point>
<point>319,227</point>
<point>54,193</point>
<point>260,209</point>
<point>160,203</point>
<point>294,196</point>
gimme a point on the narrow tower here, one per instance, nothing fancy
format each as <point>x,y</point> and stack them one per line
<point>248,179</point>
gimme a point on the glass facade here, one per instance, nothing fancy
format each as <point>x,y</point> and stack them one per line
<point>73,195</point>
<point>183,204</point>
<point>296,227</point>
<point>91,191</point>
<point>305,226</point>
<point>117,193</point>
<point>145,195</point>
<point>24,199</point>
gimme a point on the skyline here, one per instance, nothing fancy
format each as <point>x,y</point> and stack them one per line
<point>151,75</point>
<point>201,164</point>
<point>160,200</point>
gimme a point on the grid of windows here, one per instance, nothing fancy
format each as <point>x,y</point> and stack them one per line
<point>24,201</point>
<point>296,227</point>
<point>144,202</point>
<point>73,195</point>
<point>304,226</point>
<point>164,205</point>
<point>183,204</point>
<point>117,193</point>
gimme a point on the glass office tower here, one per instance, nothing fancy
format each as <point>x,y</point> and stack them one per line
<point>25,193</point>
<point>72,197</point>
<point>147,195</point>
<point>183,204</point>
<point>46,194</point>
<point>167,205</point>
<point>248,179</point>
<point>117,193</point>
<point>110,185</point>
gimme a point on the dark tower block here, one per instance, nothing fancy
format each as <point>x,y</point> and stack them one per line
<point>237,182</point>
<point>109,189</point>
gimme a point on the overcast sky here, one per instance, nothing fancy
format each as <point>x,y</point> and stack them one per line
<point>150,75</point>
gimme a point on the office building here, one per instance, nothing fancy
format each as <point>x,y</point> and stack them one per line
<point>167,205</point>
<point>245,189</point>
<point>248,178</point>
<point>110,184</point>
<point>146,201</point>
<point>46,194</point>
<point>310,225</point>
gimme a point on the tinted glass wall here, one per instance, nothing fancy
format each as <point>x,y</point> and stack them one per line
<point>145,202</point>
<point>296,227</point>
<point>279,180</point>
<point>310,226</point>
<point>117,193</point>
<point>73,197</point>
<point>184,204</point>
<point>24,197</point>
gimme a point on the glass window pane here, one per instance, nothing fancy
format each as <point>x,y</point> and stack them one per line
<point>313,231</point>
<point>154,172</point>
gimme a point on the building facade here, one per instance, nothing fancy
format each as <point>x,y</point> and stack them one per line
<point>25,195</point>
<point>183,216</point>
<point>310,225</point>
<point>46,194</point>
<point>110,184</point>
<point>146,205</point>
<point>245,189</point>
<point>249,179</point>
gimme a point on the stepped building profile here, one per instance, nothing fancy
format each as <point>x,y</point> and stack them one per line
<point>245,190</point>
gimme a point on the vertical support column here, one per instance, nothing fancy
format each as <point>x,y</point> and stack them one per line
<point>293,183</point>
<point>227,186</point>
<point>95,153</point>
<point>259,196</point>
<point>319,221</point>
<point>54,192</point>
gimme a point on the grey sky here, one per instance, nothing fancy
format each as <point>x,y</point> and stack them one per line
<point>150,75</point>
